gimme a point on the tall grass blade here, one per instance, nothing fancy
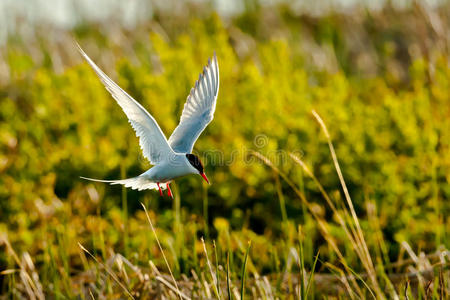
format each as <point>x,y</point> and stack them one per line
<point>205,211</point>
<point>228,276</point>
<point>302,290</point>
<point>442,287</point>
<point>281,199</point>
<point>215,284</point>
<point>311,276</point>
<point>244,270</point>
<point>162,252</point>
<point>360,236</point>
<point>406,289</point>
<point>217,268</point>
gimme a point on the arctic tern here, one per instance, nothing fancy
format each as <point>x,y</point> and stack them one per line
<point>170,158</point>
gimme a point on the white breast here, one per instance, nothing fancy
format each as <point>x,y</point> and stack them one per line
<point>166,171</point>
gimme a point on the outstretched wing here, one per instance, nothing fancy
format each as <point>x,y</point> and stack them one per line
<point>153,143</point>
<point>198,110</point>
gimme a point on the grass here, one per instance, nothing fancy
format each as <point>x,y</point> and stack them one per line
<point>162,252</point>
<point>136,282</point>
<point>244,268</point>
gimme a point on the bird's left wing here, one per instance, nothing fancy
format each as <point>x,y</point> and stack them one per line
<point>199,109</point>
<point>153,143</point>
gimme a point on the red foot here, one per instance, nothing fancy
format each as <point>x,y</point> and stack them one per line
<point>169,192</point>
<point>160,190</point>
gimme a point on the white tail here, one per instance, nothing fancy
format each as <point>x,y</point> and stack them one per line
<point>136,183</point>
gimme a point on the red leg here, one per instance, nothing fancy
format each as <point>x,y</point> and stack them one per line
<point>169,192</point>
<point>160,190</point>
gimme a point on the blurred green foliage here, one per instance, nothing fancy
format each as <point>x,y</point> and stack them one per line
<point>384,97</point>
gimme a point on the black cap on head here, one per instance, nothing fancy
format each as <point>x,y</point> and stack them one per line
<point>195,162</point>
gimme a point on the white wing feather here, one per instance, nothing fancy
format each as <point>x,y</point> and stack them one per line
<point>153,143</point>
<point>198,110</point>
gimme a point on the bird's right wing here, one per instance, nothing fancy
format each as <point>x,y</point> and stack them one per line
<point>153,143</point>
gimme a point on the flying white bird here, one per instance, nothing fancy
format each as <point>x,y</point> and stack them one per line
<point>171,158</point>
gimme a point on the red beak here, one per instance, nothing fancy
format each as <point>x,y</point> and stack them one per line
<point>204,177</point>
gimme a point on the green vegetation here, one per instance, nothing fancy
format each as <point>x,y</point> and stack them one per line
<point>329,154</point>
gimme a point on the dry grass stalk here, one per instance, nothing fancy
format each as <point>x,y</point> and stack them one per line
<point>366,259</point>
<point>162,252</point>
